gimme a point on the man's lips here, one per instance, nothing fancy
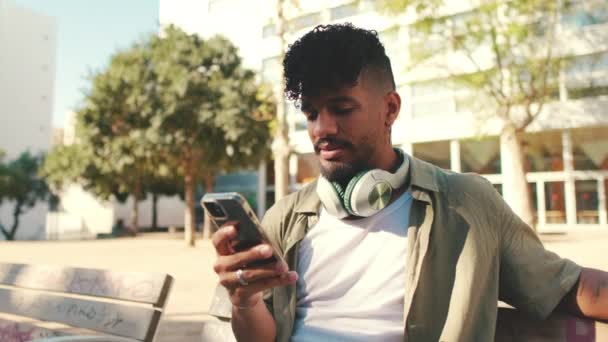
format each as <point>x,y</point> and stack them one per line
<point>330,150</point>
<point>329,154</point>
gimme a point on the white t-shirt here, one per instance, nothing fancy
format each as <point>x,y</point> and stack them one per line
<point>352,277</point>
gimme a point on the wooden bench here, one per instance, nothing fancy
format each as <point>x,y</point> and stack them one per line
<point>84,304</point>
<point>511,325</point>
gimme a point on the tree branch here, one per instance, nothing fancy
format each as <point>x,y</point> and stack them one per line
<point>4,231</point>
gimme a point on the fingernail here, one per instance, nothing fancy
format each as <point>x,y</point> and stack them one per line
<point>292,276</point>
<point>264,250</point>
<point>282,267</point>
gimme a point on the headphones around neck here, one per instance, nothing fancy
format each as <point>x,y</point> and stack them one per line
<point>366,193</point>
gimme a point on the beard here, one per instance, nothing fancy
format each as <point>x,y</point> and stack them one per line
<point>342,172</point>
<point>339,172</point>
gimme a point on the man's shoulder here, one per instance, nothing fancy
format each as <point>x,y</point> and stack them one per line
<point>450,182</point>
<point>280,220</point>
<point>465,189</point>
<point>287,205</point>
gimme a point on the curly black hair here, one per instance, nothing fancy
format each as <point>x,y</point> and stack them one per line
<point>332,56</point>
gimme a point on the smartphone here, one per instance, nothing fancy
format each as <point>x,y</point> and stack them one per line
<point>231,206</point>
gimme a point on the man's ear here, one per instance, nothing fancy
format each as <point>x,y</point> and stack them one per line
<point>393,106</point>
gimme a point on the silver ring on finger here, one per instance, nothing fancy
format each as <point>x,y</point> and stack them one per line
<point>239,275</point>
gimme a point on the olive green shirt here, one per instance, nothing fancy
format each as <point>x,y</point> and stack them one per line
<point>466,250</point>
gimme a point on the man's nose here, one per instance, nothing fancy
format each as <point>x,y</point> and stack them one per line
<point>325,125</point>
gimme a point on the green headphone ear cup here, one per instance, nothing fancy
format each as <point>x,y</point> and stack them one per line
<point>349,191</point>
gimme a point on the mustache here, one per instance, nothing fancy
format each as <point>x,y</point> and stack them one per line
<point>338,143</point>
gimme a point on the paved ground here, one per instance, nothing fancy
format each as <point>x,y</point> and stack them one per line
<point>192,267</point>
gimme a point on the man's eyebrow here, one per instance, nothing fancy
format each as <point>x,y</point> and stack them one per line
<point>342,98</point>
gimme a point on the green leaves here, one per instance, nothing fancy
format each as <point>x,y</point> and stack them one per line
<point>19,180</point>
<point>166,102</point>
<point>209,101</point>
<point>21,185</point>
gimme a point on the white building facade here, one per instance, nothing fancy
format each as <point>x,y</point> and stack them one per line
<point>28,44</point>
<point>566,148</point>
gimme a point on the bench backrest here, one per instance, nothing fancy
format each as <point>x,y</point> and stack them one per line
<point>126,304</point>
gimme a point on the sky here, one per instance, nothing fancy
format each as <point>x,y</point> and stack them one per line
<point>88,33</point>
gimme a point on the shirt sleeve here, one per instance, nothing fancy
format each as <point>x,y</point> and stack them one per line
<point>532,278</point>
<point>271,224</point>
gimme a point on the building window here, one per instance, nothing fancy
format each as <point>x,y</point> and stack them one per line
<point>480,156</point>
<point>533,200</point>
<point>269,30</point>
<point>390,40</point>
<point>431,98</point>
<point>582,13</point>
<point>430,108</point>
<point>587,204</point>
<point>423,44</point>
<point>590,148</point>
<point>344,11</point>
<point>587,76</point>
<point>436,152</point>
<point>271,70</point>
<point>543,151</point>
<point>555,204</point>
<point>296,117</point>
<point>442,34</point>
<point>307,20</point>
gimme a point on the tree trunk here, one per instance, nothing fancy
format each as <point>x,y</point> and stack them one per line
<point>280,145</point>
<point>515,187</point>
<point>10,235</point>
<point>208,227</point>
<point>135,209</point>
<point>281,169</point>
<point>135,215</point>
<point>154,211</point>
<point>4,232</point>
<point>189,224</point>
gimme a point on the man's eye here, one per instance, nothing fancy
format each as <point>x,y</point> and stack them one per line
<point>311,115</point>
<point>342,111</point>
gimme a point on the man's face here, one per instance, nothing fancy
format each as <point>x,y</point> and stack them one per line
<point>347,129</point>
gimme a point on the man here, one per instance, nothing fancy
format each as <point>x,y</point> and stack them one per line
<point>429,265</point>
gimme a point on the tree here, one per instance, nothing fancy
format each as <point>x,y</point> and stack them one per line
<point>117,112</point>
<point>505,50</point>
<point>280,146</point>
<point>21,186</point>
<point>214,116</point>
<point>113,155</point>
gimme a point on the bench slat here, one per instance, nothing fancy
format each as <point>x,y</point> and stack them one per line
<point>130,286</point>
<point>513,325</point>
<point>115,319</point>
<point>23,331</point>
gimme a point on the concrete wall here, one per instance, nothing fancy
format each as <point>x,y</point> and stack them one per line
<point>27,74</point>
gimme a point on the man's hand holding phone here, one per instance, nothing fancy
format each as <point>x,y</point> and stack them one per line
<point>241,272</point>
